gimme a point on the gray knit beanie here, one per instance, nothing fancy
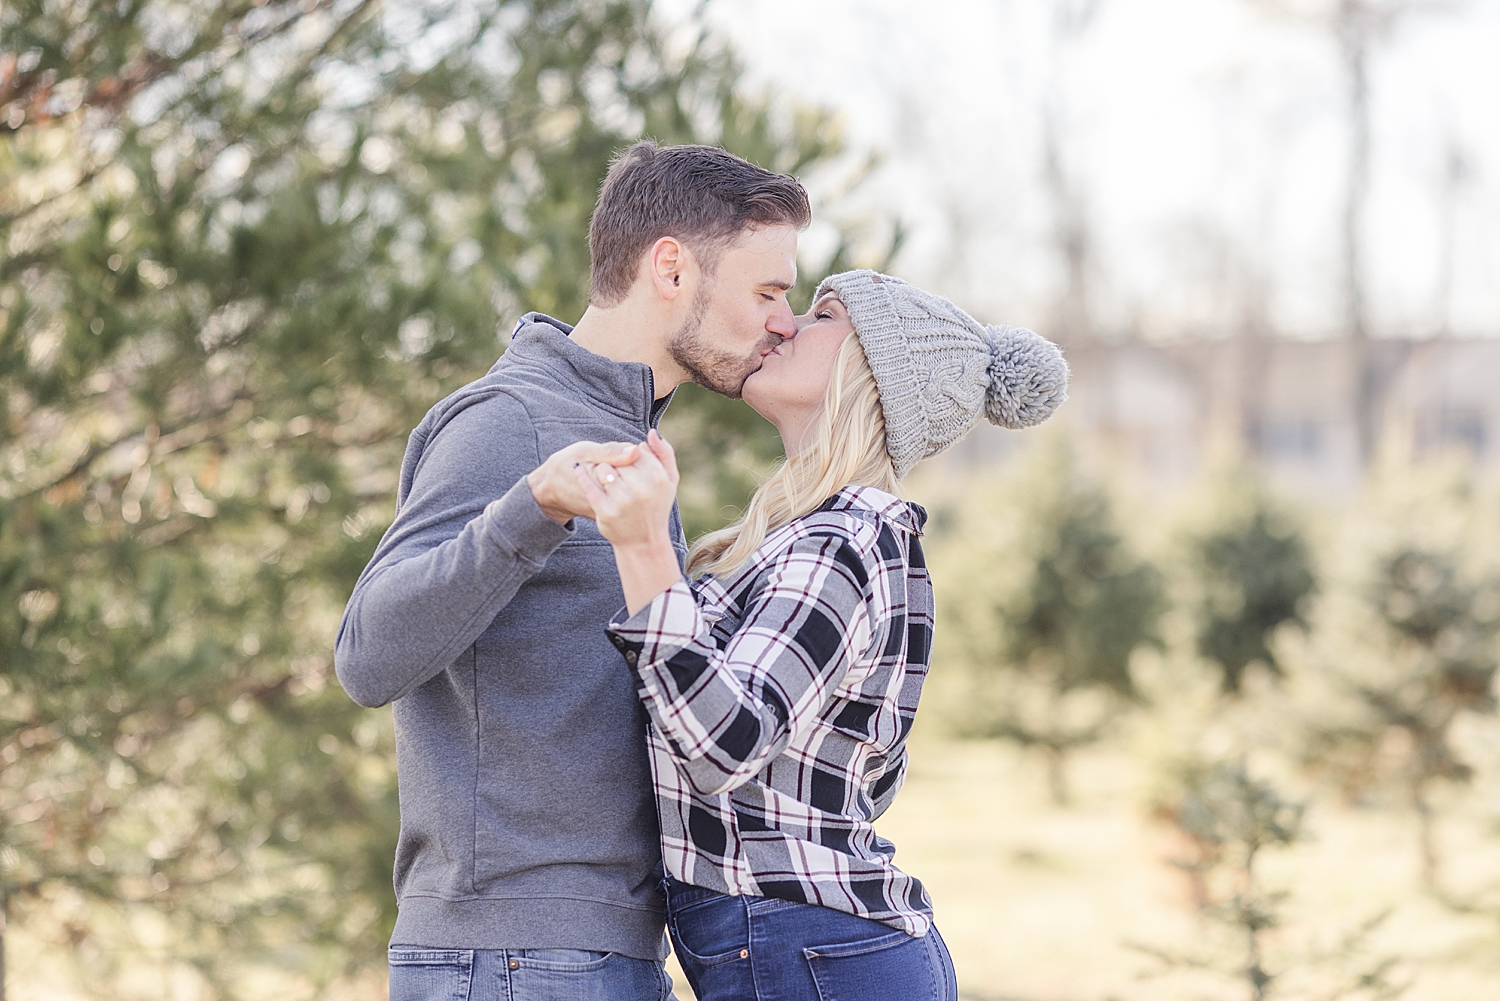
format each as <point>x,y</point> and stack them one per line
<point>938,369</point>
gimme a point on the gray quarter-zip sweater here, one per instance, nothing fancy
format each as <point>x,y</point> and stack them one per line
<point>527,816</point>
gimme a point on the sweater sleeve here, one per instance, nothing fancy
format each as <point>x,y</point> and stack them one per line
<point>468,535</point>
<point>726,713</point>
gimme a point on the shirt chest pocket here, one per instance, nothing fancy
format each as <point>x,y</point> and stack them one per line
<point>869,707</point>
<point>872,722</point>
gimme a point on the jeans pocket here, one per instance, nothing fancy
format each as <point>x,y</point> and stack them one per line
<point>562,960</point>
<point>712,931</point>
<point>893,966</point>
<point>430,974</point>
<point>576,975</point>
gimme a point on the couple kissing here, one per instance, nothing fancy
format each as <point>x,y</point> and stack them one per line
<point>709,759</point>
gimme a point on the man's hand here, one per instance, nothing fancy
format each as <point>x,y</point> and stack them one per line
<point>632,505</point>
<point>555,486</point>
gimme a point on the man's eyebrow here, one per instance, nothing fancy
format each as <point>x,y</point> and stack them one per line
<point>777,283</point>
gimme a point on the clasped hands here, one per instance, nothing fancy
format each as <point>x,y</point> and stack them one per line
<point>627,490</point>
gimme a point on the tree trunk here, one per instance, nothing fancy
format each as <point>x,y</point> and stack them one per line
<point>1456,173</point>
<point>1254,359</point>
<point>1354,41</point>
<point>1072,228</point>
<point>1057,778</point>
<point>1255,965</point>
<point>1426,840</point>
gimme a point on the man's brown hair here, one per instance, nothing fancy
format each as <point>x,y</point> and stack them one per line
<point>702,195</point>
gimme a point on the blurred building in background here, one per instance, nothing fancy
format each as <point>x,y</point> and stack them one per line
<point>1163,409</point>
<point>1290,403</point>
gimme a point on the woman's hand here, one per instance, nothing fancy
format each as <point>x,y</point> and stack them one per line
<point>555,487</point>
<point>632,506</point>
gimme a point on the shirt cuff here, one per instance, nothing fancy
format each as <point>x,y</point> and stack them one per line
<point>517,519</point>
<point>670,622</point>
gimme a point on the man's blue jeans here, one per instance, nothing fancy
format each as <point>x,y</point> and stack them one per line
<point>419,974</point>
<point>757,948</point>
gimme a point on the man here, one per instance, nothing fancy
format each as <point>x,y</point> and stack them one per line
<point>528,865</point>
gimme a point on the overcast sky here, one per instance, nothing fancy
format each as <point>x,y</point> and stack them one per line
<point>1205,138</point>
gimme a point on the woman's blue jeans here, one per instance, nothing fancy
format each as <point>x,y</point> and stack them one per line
<point>760,948</point>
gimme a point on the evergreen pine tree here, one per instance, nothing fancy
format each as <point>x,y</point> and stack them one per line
<point>246,244</point>
<point>1255,574</point>
<point>1052,633</point>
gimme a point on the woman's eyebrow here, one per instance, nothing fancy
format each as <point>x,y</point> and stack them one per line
<point>827,297</point>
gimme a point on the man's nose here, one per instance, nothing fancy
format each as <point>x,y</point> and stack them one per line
<point>783,323</point>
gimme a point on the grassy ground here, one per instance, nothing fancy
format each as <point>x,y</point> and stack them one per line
<point>1043,904</point>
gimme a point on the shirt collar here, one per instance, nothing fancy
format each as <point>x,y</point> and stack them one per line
<point>626,388</point>
<point>906,514</point>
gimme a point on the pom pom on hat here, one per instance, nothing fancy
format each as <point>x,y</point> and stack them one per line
<point>1028,377</point>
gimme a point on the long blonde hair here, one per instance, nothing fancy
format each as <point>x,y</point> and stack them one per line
<point>848,448</point>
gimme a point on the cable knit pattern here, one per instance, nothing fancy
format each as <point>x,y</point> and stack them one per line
<point>939,370</point>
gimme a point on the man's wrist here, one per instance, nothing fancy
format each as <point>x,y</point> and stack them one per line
<point>537,484</point>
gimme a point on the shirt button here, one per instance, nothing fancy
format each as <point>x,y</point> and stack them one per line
<point>631,658</point>
<point>515,964</point>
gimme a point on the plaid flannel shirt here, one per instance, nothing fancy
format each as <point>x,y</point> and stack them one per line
<point>780,701</point>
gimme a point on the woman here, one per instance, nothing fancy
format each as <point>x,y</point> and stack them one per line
<point>782,683</point>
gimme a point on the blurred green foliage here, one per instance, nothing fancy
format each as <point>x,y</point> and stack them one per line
<point>1439,624</point>
<point>1254,574</point>
<point>1228,820</point>
<point>246,244</point>
<point>1382,693</point>
<point>1054,606</point>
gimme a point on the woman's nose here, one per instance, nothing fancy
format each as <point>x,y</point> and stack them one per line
<point>805,320</point>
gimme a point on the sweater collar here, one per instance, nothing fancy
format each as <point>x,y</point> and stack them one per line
<point>623,388</point>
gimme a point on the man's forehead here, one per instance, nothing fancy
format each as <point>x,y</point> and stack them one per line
<point>766,241</point>
<point>766,255</point>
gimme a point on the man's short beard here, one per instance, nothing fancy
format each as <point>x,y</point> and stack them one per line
<point>712,369</point>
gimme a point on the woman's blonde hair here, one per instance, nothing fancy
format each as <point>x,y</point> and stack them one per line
<point>848,448</point>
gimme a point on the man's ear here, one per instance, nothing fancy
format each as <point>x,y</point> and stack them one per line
<point>666,262</point>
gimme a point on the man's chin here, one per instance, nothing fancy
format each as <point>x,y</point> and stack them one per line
<point>726,391</point>
<point>732,387</point>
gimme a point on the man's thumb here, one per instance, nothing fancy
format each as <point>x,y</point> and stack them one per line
<point>618,453</point>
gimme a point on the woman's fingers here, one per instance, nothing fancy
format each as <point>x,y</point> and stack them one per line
<point>664,453</point>
<point>590,488</point>
<point>603,473</point>
<point>644,482</point>
<point>622,484</point>
<point>640,482</point>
